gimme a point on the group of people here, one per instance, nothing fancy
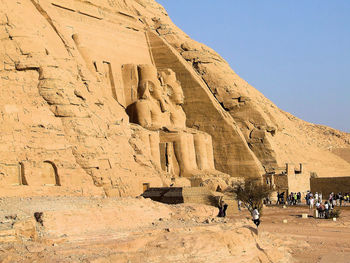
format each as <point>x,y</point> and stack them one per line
<point>311,199</point>
<point>333,200</point>
<point>325,209</point>
<point>292,198</point>
<point>338,199</point>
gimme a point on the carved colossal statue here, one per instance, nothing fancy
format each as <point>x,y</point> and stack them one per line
<point>150,110</point>
<point>159,108</point>
<point>202,141</point>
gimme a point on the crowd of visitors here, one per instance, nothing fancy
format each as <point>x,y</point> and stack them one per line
<point>292,198</point>
<point>338,199</point>
<point>323,205</point>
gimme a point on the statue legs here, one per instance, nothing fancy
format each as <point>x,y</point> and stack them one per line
<point>184,151</point>
<point>204,151</point>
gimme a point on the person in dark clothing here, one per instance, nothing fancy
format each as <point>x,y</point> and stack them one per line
<point>222,209</point>
<point>299,197</point>
<point>282,197</point>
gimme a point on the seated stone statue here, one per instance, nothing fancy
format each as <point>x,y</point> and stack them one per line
<point>150,110</point>
<point>202,141</point>
<point>159,108</point>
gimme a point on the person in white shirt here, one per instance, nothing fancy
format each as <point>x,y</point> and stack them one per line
<point>312,201</point>
<point>326,209</point>
<point>239,205</point>
<point>317,204</point>
<point>256,216</point>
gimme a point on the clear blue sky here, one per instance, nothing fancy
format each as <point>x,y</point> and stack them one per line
<point>297,53</point>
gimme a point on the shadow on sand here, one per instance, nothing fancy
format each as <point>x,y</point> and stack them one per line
<point>252,229</point>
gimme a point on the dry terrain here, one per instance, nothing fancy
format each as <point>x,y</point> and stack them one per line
<point>139,230</point>
<point>327,241</point>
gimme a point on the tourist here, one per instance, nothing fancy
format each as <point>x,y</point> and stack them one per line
<point>295,197</point>
<point>337,199</point>
<point>256,216</point>
<point>320,197</point>
<point>331,195</point>
<point>321,211</point>
<point>307,198</point>
<point>340,198</point>
<point>222,208</point>
<point>316,196</point>
<point>311,201</point>
<point>326,208</point>
<point>280,198</point>
<point>317,204</point>
<point>289,199</point>
<point>334,201</point>
<point>299,197</point>
<point>239,205</point>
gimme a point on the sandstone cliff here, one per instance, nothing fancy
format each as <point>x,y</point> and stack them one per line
<point>64,126</point>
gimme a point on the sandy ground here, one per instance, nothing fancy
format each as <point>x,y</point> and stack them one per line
<point>139,230</point>
<point>328,241</point>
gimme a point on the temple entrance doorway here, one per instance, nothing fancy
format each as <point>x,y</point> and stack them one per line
<point>168,159</point>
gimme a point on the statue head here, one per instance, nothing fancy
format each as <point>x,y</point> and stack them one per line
<point>149,85</point>
<point>174,88</point>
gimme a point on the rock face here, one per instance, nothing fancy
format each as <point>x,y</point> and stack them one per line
<point>70,74</point>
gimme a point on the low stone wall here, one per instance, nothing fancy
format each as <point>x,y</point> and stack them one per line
<point>326,185</point>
